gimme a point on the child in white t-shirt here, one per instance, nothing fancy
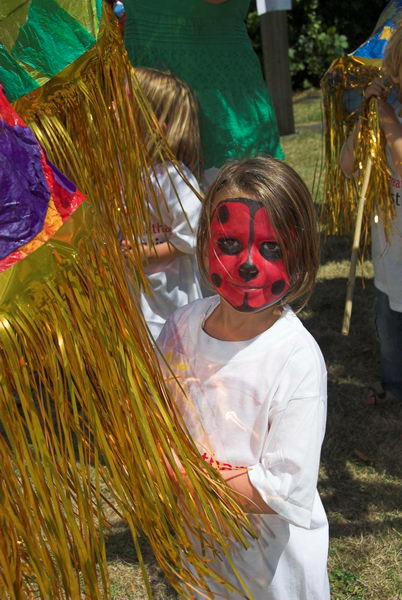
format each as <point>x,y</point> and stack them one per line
<point>173,199</point>
<point>387,253</point>
<point>252,380</point>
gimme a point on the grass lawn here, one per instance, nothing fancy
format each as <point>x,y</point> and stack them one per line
<point>360,479</point>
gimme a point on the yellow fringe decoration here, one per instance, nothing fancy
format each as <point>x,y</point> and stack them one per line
<point>341,194</point>
<point>83,404</point>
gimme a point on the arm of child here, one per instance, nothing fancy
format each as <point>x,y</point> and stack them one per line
<point>181,207</point>
<point>392,129</point>
<point>160,252</point>
<point>347,155</point>
<point>150,254</point>
<point>247,496</point>
<point>390,125</point>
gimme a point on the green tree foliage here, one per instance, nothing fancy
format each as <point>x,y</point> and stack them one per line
<point>313,46</point>
<point>319,32</point>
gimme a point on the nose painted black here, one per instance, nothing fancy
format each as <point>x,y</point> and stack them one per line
<point>248,271</point>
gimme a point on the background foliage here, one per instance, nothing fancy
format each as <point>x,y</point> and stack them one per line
<point>319,32</point>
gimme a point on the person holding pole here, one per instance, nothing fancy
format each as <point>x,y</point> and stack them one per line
<point>386,250</point>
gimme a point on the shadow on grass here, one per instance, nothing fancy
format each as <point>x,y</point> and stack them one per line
<point>363,444</point>
<point>120,551</point>
<point>120,546</point>
<point>334,247</point>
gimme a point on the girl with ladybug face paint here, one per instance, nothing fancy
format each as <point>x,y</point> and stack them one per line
<point>245,258</point>
<point>257,244</point>
<point>254,378</point>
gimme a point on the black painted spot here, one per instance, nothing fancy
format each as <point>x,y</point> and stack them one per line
<point>216,279</point>
<point>223,214</point>
<point>278,287</point>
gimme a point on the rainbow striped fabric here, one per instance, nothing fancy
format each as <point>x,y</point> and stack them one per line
<point>35,197</point>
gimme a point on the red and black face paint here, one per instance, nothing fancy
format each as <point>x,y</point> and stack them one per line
<point>245,260</point>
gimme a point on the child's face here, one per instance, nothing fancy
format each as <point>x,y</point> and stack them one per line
<point>245,260</point>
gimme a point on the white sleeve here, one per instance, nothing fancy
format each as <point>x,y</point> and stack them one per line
<point>286,476</point>
<point>183,207</point>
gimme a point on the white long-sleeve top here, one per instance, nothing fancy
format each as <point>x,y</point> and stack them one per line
<point>260,404</point>
<point>174,211</point>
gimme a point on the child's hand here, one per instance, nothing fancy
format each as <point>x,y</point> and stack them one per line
<point>127,250</point>
<point>375,89</point>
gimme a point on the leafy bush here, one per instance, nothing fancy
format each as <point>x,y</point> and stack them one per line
<point>314,50</point>
<point>319,32</point>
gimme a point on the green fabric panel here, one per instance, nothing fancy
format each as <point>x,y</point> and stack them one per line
<point>51,39</point>
<point>15,80</point>
<point>99,9</point>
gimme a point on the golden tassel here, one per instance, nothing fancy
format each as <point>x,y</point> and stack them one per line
<point>339,209</point>
<point>83,402</point>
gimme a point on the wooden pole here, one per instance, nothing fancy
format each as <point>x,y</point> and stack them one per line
<point>275,46</point>
<point>355,250</point>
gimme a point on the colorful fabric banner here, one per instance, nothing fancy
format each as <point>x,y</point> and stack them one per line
<point>30,52</point>
<point>35,197</point>
<point>373,48</point>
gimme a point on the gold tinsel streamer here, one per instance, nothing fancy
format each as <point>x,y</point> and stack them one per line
<point>83,404</point>
<point>341,193</point>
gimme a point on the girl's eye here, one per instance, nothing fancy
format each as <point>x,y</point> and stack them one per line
<point>270,250</point>
<point>230,245</point>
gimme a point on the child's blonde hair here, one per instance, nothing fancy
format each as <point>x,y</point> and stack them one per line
<point>176,109</point>
<point>393,54</point>
<point>290,207</point>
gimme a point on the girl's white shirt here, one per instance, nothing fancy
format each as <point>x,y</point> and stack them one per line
<point>260,404</point>
<point>174,210</point>
<point>387,255</point>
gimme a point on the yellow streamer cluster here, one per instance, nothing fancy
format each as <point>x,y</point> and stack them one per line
<point>341,193</point>
<point>83,403</point>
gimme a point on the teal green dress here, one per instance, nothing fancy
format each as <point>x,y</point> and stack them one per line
<point>207,46</point>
